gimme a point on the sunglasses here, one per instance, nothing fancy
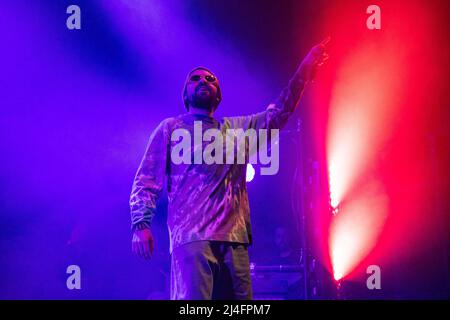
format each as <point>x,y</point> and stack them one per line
<point>197,77</point>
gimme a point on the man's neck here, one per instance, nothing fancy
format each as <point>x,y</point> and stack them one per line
<point>198,111</point>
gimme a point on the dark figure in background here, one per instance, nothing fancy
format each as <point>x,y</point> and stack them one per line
<point>208,213</point>
<point>286,253</point>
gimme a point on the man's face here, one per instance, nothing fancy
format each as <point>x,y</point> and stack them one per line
<point>202,89</point>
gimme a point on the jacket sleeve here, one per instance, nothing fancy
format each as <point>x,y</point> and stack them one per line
<point>150,176</point>
<point>276,114</point>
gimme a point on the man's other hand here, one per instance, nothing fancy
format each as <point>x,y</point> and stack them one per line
<point>142,243</point>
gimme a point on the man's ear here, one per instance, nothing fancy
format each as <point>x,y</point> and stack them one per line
<point>219,95</point>
<point>185,100</point>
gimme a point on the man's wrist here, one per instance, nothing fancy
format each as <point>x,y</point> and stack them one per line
<point>298,81</point>
<point>302,74</point>
<point>141,226</point>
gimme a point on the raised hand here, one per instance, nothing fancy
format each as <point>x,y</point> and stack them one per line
<point>315,58</point>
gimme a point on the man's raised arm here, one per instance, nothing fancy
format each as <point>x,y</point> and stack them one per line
<point>277,114</point>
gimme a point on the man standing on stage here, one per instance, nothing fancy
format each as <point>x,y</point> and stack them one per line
<point>208,214</point>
